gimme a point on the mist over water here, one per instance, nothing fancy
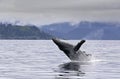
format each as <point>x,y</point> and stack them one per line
<point>41,59</point>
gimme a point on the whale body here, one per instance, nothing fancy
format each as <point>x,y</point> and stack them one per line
<point>73,52</point>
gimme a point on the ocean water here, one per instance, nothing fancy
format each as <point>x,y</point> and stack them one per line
<point>41,59</point>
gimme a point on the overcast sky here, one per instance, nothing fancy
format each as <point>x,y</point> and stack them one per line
<point>49,11</point>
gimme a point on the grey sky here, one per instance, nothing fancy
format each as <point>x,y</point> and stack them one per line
<point>48,11</point>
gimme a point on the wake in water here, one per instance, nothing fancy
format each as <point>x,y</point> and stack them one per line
<point>75,69</point>
<point>94,59</point>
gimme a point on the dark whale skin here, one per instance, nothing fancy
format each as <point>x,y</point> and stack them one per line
<point>73,52</point>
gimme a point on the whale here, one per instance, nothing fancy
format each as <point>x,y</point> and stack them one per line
<point>73,52</point>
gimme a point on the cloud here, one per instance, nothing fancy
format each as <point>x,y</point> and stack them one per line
<point>6,5</point>
<point>47,11</point>
<point>51,5</point>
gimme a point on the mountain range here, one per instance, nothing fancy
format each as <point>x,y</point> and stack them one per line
<point>65,30</point>
<point>11,31</point>
<point>84,30</point>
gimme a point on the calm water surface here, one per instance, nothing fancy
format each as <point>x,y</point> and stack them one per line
<point>41,59</point>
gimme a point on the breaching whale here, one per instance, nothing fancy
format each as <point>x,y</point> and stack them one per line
<point>72,52</point>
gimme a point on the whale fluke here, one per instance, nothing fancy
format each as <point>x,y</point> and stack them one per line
<point>72,51</point>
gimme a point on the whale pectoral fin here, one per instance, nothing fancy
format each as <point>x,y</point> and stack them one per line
<point>62,45</point>
<point>76,48</point>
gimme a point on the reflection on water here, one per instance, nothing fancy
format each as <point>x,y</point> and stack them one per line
<point>41,59</point>
<point>71,70</point>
